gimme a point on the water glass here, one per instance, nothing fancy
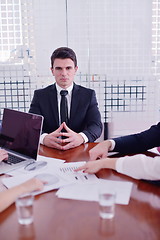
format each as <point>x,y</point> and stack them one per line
<point>106,203</point>
<point>24,206</point>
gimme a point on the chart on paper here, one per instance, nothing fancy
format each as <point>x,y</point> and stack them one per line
<point>67,171</point>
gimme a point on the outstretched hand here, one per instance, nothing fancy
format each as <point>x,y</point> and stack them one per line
<point>91,167</point>
<point>95,166</point>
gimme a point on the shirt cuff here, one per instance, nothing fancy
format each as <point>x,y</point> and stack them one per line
<point>42,137</point>
<point>84,137</point>
<point>113,143</point>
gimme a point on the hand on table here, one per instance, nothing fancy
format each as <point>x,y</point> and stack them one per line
<point>100,150</point>
<point>31,185</point>
<point>95,166</point>
<point>53,139</point>
<point>3,155</point>
<point>72,139</point>
<point>91,167</point>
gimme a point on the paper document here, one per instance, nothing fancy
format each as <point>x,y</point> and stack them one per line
<point>53,181</point>
<point>46,173</point>
<point>89,192</point>
<point>66,171</point>
<point>55,174</point>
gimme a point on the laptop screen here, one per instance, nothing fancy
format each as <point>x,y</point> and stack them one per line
<point>21,132</point>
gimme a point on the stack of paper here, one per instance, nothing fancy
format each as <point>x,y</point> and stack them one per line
<point>71,184</point>
<point>56,173</point>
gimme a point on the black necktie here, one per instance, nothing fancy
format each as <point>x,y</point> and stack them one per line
<point>64,107</point>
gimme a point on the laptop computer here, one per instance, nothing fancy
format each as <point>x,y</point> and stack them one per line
<point>19,136</point>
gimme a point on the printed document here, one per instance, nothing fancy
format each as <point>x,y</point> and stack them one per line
<point>89,191</point>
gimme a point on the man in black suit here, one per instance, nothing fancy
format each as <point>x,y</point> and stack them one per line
<point>84,121</point>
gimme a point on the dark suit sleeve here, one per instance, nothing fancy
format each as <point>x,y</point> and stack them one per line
<point>93,127</point>
<point>44,103</point>
<point>139,142</point>
<point>35,104</point>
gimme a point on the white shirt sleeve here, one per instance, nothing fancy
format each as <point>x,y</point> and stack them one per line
<point>112,144</point>
<point>139,167</point>
<point>84,137</point>
<point>42,137</point>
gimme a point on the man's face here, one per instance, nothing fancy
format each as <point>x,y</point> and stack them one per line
<point>64,70</point>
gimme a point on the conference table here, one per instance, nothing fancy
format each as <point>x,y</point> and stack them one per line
<point>66,219</point>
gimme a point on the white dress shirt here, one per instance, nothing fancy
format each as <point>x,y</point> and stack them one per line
<point>139,166</point>
<point>68,96</point>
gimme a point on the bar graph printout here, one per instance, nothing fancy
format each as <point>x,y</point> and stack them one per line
<point>67,172</point>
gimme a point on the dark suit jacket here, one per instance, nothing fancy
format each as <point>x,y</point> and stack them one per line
<point>139,142</point>
<point>84,113</point>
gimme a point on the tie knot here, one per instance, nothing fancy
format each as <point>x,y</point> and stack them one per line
<point>63,92</point>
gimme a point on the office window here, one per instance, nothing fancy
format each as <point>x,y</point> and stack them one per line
<point>10,30</point>
<point>156,38</point>
<point>17,66</point>
<point>117,45</point>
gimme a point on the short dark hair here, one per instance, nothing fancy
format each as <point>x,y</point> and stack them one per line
<point>64,52</point>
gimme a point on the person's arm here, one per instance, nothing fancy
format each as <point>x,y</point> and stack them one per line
<point>35,104</point>
<point>140,142</point>
<point>3,155</point>
<point>43,135</point>
<point>139,167</point>
<point>101,150</point>
<point>9,196</point>
<point>93,122</point>
<point>85,138</point>
<point>53,140</point>
<point>95,166</point>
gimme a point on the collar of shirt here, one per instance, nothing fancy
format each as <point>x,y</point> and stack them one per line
<point>69,89</point>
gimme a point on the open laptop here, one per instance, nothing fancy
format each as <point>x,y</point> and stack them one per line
<point>20,135</point>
